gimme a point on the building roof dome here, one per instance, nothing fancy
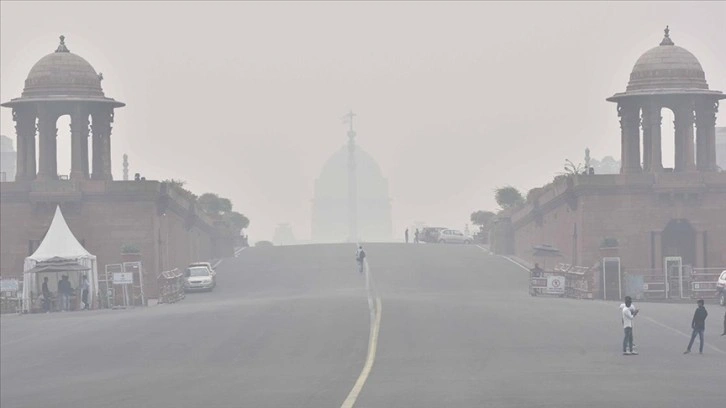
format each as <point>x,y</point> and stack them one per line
<point>63,75</point>
<point>667,66</point>
<point>333,180</point>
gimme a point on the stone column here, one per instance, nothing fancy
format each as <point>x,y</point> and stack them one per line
<point>706,136</point>
<point>47,135</point>
<point>652,155</point>
<point>647,138</point>
<point>102,144</point>
<point>79,133</point>
<point>25,131</point>
<point>630,137</point>
<point>684,160</point>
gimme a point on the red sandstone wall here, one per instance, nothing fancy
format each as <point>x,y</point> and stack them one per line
<point>105,223</point>
<point>630,215</point>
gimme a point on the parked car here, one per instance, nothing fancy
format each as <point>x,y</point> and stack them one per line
<point>449,236</point>
<point>430,234</point>
<point>721,288</point>
<point>206,264</point>
<point>199,278</point>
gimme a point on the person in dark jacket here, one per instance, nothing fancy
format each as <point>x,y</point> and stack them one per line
<point>698,324</point>
<point>46,296</point>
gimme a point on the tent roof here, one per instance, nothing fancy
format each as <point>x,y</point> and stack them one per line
<point>58,264</point>
<point>59,242</point>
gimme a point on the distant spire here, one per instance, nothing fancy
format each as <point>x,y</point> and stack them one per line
<point>667,38</point>
<point>62,46</point>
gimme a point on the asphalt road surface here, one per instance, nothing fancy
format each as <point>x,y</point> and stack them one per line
<point>290,327</point>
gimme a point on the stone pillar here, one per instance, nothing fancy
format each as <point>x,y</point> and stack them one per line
<point>706,136</point>
<point>652,153</point>
<point>25,131</point>
<point>47,135</point>
<point>684,160</point>
<point>102,144</point>
<point>630,137</point>
<point>79,134</point>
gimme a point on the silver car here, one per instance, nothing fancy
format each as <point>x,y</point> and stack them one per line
<point>449,236</point>
<point>199,278</point>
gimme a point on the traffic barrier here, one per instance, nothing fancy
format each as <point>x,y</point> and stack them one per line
<point>171,286</point>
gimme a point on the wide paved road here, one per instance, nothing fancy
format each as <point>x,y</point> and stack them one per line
<point>289,327</point>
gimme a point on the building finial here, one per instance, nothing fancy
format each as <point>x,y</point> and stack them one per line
<point>667,38</point>
<point>62,46</point>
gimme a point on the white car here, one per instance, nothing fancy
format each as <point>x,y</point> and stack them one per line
<point>199,278</point>
<point>721,288</point>
<point>207,264</point>
<point>449,236</point>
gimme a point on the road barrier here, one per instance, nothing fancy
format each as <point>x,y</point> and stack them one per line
<point>564,281</point>
<point>171,286</point>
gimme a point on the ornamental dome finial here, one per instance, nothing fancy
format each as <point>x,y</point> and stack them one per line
<point>667,38</point>
<point>62,46</point>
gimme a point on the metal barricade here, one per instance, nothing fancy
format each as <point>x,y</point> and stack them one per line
<point>645,284</point>
<point>703,282</point>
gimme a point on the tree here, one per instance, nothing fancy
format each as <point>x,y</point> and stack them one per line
<point>572,168</point>
<point>508,197</point>
<point>178,185</point>
<point>237,220</point>
<point>481,218</point>
<point>211,204</point>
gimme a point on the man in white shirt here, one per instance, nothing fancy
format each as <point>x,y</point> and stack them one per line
<point>628,316</point>
<point>633,310</point>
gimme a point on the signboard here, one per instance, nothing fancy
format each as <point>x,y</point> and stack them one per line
<point>556,285</point>
<point>123,278</point>
<point>9,285</point>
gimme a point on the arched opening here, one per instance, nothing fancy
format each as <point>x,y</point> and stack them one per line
<point>668,138</point>
<point>679,253</point>
<point>63,146</point>
<point>679,239</point>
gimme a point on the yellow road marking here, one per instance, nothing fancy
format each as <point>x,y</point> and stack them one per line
<point>372,345</point>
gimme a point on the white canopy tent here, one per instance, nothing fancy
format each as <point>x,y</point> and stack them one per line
<point>60,242</point>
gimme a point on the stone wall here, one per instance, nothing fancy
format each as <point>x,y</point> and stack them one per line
<point>634,209</point>
<point>105,216</point>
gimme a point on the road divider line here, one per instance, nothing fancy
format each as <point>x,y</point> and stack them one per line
<point>515,262</point>
<point>370,358</point>
<point>686,335</point>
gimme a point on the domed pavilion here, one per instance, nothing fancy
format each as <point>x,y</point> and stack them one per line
<point>668,76</point>
<point>649,232</point>
<point>63,83</point>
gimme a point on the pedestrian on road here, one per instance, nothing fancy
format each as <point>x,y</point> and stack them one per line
<point>628,316</point>
<point>65,291</point>
<point>46,295</point>
<point>85,287</point>
<point>698,324</point>
<point>634,311</point>
<point>407,235</point>
<point>415,236</point>
<point>360,257</point>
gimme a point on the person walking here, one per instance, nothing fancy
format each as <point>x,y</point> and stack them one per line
<point>634,311</point>
<point>85,287</point>
<point>46,296</point>
<point>407,235</point>
<point>628,316</point>
<point>415,236</point>
<point>698,324</point>
<point>360,257</point>
<point>65,291</point>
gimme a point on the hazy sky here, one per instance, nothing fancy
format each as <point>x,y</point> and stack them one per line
<point>453,99</point>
